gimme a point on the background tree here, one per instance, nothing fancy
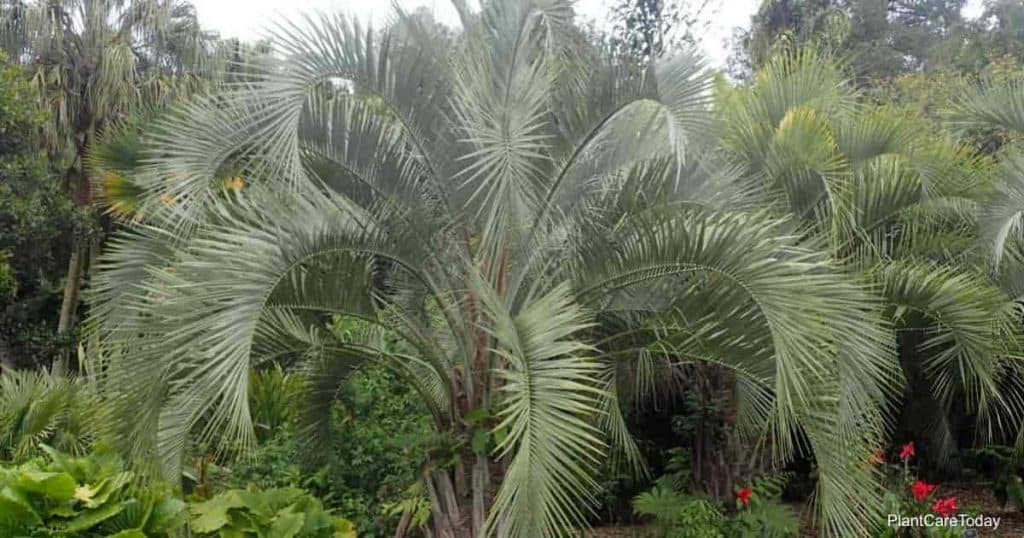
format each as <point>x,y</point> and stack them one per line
<point>93,63</point>
<point>996,35</point>
<point>37,217</point>
<point>648,29</point>
<point>881,38</point>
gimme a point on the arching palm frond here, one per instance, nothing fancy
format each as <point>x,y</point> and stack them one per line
<point>990,104</point>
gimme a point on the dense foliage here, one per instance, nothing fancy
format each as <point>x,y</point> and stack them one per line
<point>884,39</point>
<point>375,448</point>
<point>36,218</point>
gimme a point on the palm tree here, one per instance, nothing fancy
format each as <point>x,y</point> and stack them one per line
<point>93,63</point>
<point>524,216</point>
<point>896,202</point>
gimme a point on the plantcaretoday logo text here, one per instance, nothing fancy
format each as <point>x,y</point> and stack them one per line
<point>932,520</point>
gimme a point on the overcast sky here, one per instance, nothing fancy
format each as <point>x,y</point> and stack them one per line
<point>247,19</point>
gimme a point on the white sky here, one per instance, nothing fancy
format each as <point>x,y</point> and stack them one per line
<point>246,19</point>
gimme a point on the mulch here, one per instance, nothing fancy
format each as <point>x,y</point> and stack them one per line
<point>969,496</point>
<point>980,498</point>
<point>618,532</point>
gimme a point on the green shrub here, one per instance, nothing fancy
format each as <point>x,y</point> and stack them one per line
<point>272,396</point>
<point>83,497</point>
<point>677,515</point>
<point>373,453</point>
<point>768,519</point>
<point>757,512</point>
<point>275,513</point>
<point>1003,470</point>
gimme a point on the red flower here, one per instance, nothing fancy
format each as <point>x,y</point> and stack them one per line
<point>907,451</point>
<point>921,490</point>
<point>945,507</point>
<point>878,456</point>
<point>743,495</point>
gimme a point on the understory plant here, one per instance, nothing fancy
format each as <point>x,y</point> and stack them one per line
<point>1001,466</point>
<point>755,512</point>
<point>63,496</point>
<point>273,513</point>
<point>372,449</point>
<point>94,496</point>
<point>39,407</point>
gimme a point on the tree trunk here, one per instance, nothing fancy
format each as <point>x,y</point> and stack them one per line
<point>78,182</point>
<point>6,355</point>
<point>67,308</point>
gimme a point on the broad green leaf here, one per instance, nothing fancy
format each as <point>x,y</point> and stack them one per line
<point>481,440</point>
<point>55,486</point>
<point>110,486</point>
<point>168,514</point>
<point>90,518</point>
<point>475,416</point>
<point>129,533</point>
<point>16,503</point>
<point>211,515</point>
<point>286,526</point>
<point>344,528</point>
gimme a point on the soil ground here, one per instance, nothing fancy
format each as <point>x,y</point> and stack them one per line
<point>979,497</point>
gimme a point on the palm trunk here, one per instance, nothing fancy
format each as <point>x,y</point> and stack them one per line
<point>480,481</point>
<point>461,516</point>
<point>445,521</point>
<point>403,524</point>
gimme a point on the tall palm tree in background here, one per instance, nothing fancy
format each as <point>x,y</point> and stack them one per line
<point>94,63</point>
<point>524,217</point>
<point>902,207</point>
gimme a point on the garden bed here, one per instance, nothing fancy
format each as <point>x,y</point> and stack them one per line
<point>619,532</point>
<point>972,496</point>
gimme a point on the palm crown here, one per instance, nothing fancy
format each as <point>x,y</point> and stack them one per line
<point>897,203</point>
<point>526,217</point>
